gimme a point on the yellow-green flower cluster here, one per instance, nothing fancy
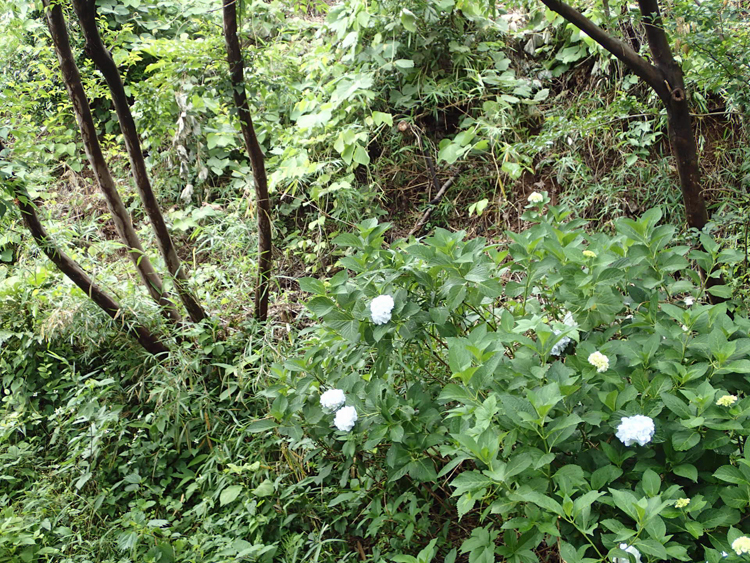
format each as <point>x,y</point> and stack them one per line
<point>589,254</point>
<point>727,400</point>
<point>681,502</point>
<point>741,545</point>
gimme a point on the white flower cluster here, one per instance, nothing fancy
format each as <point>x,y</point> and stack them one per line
<point>536,197</point>
<point>560,345</point>
<point>599,361</point>
<point>345,418</point>
<point>629,549</point>
<point>380,309</point>
<point>333,400</point>
<point>636,428</point>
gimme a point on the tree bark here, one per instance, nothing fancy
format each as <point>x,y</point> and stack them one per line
<point>86,11</point>
<point>76,274</point>
<point>120,215</point>
<point>681,136</point>
<point>665,77</point>
<point>236,72</point>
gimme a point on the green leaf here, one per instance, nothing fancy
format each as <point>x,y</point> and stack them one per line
<point>361,156</point>
<point>723,291</point>
<point>625,501</point>
<point>265,489</point>
<point>686,470</point>
<point>685,439</point>
<point>548,503</point>
<point>229,494</point>
<point>651,483</point>
<point>312,285</point>
<point>320,306</point>
<point>378,117</point>
<point>470,481</point>
<point>585,501</point>
<point>730,474</point>
<point>409,20</point>
<point>261,426</point>
<point>676,405</point>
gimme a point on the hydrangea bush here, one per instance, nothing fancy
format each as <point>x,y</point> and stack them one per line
<point>538,394</point>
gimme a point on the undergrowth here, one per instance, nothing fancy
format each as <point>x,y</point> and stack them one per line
<point>484,432</point>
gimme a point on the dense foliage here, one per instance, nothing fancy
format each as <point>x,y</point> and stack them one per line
<point>489,369</point>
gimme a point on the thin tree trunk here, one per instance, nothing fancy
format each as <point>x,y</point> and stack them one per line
<point>681,136</point>
<point>665,77</point>
<point>86,11</point>
<point>236,72</point>
<point>120,215</point>
<point>76,274</point>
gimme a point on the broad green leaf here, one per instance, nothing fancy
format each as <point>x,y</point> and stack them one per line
<point>408,20</point>
<point>229,494</point>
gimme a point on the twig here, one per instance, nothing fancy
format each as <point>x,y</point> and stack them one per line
<point>438,196</point>
<point>427,157</point>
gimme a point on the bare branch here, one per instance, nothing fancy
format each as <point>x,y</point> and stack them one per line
<point>640,66</point>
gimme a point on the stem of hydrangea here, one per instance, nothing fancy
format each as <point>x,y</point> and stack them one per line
<point>583,533</point>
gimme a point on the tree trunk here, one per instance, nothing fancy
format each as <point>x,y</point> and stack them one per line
<point>681,136</point>
<point>120,215</point>
<point>665,77</point>
<point>236,72</point>
<point>73,271</point>
<point>86,11</point>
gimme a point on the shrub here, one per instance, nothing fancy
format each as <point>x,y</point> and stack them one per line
<point>488,405</point>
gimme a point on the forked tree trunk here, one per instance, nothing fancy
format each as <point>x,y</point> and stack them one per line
<point>86,11</point>
<point>120,215</point>
<point>665,77</point>
<point>236,72</point>
<point>76,274</point>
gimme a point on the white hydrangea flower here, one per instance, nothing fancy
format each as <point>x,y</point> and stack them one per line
<point>560,345</point>
<point>345,418</point>
<point>332,399</point>
<point>630,549</point>
<point>381,308</point>
<point>636,428</point>
<point>689,300</point>
<point>536,197</point>
<point>599,361</point>
<point>741,545</point>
